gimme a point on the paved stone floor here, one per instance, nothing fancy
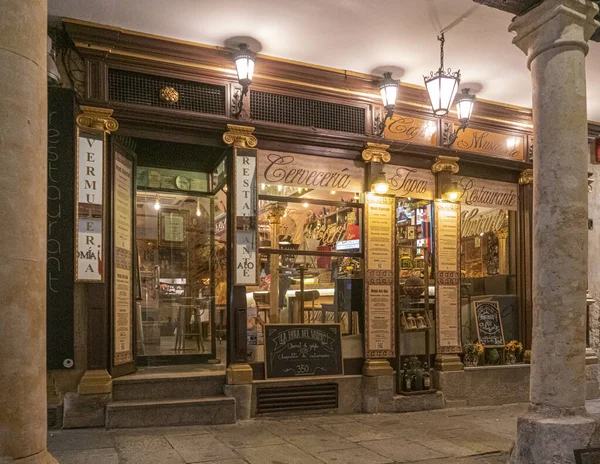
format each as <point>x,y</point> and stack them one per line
<point>452,436</point>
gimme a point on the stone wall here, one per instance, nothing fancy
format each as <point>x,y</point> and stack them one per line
<point>493,385</point>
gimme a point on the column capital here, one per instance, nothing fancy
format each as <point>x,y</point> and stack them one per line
<point>240,136</point>
<point>275,212</point>
<point>376,153</point>
<point>526,177</point>
<point>445,163</point>
<point>95,118</point>
<point>549,25</point>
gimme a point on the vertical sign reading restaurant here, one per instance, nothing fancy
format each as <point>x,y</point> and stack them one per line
<point>379,282</point>
<point>447,259</point>
<point>246,204</point>
<point>122,260</point>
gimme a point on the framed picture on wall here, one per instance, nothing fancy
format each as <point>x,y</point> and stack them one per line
<point>173,227</point>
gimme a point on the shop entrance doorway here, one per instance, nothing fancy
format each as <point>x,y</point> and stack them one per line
<point>181,248</point>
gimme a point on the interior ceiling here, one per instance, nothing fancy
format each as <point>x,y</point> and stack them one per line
<point>349,34</point>
<point>170,155</point>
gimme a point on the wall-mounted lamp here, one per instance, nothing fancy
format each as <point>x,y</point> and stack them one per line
<point>244,65</point>
<point>464,108</point>
<point>442,85</point>
<point>389,91</point>
<point>452,192</point>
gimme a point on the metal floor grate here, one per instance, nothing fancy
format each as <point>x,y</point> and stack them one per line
<point>296,398</point>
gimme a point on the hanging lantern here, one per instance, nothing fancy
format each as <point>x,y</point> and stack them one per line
<point>442,85</point>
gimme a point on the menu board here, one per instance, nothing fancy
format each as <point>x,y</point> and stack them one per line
<point>303,350</point>
<point>489,323</point>
<point>447,280</point>
<point>379,282</point>
<point>123,282</point>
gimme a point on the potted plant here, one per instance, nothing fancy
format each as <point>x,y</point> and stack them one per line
<point>415,371</point>
<point>493,357</point>
<point>512,351</point>
<point>472,353</point>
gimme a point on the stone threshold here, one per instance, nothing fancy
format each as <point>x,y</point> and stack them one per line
<point>502,366</point>
<point>320,378</point>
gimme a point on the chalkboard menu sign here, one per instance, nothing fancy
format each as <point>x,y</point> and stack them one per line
<point>60,248</point>
<point>303,350</point>
<point>489,324</point>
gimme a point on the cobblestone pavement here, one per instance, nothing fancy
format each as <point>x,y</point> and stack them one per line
<point>481,435</point>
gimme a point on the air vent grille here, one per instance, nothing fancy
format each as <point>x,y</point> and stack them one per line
<point>296,398</point>
<point>143,89</point>
<point>284,109</point>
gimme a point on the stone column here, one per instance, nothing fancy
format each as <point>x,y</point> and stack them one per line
<point>87,407</point>
<point>553,36</point>
<point>378,374</point>
<point>443,169</point>
<point>23,165</point>
<point>239,372</point>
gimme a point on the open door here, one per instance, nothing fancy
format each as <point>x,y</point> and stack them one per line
<point>123,260</point>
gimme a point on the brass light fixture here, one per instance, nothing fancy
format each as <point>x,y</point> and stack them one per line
<point>452,192</point>
<point>381,185</point>
<point>464,107</point>
<point>442,85</point>
<point>244,65</point>
<point>389,91</point>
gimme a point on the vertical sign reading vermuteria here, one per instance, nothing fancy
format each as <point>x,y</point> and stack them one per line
<point>379,282</point>
<point>122,259</point>
<point>90,206</point>
<point>447,276</point>
<point>246,205</point>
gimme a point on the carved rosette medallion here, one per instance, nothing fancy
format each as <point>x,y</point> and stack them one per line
<point>169,95</point>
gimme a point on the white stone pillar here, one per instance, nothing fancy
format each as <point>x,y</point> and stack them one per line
<point>23,163</point>
<point>554,37</point>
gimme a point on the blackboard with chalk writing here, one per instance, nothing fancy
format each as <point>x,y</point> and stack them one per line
<point>489,324</point>
<point>303,350</point>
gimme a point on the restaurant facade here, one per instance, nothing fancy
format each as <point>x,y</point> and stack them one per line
<point>215,254</point>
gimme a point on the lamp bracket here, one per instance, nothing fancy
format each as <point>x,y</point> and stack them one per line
<point>450,138</point>
<point>380,122</point>
<point>237,101</point>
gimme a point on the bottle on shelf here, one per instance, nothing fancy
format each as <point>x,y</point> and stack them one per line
<point>406,379</point>
<point>426,377</point>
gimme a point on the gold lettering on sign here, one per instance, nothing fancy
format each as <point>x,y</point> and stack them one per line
<point>421,131</point>
<point>490,143</point>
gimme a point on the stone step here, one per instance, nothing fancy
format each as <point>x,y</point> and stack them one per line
<point>424,402</point>
<point>157,413</point>
<point>163,386</point>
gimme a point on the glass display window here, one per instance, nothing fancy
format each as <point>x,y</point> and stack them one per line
<point>311,265</point>
<point>488,266</point>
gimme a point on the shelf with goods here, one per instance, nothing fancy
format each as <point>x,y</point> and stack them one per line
<point>413,309</point>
